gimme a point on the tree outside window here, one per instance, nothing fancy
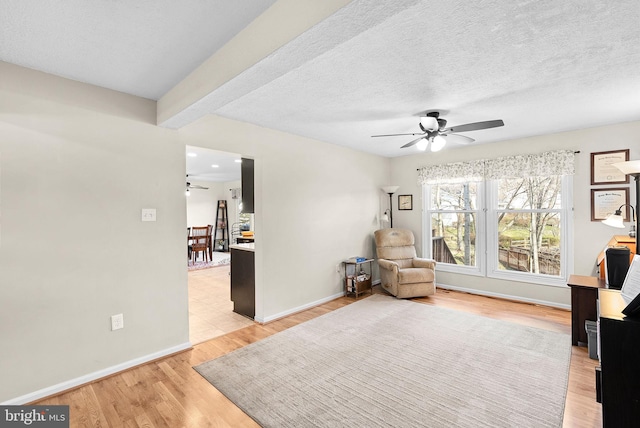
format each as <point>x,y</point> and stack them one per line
<point>529,214</point>
<point>453,223</point>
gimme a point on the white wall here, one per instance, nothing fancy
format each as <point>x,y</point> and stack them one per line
<point>232,204</point>
<point>589,237</point>
<point>202,205</point>
<point>316,204</point>
<point>77,165</point>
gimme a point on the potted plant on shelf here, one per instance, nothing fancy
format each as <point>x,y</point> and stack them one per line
<point>221,244</point>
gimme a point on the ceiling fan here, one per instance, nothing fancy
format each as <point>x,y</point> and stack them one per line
<point>435,131</point>
<point>194,186</point>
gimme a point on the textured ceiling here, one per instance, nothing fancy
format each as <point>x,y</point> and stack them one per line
<point>140,47</point>
<point>541,66</point>
<point>370,68</point>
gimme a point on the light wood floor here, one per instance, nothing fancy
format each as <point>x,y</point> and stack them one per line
<point>169,393</point>
<point>210,306</point>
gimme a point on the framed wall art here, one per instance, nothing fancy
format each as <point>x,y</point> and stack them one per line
<point>605,202</point>
<point>602,169</point>
<point>405,202</point>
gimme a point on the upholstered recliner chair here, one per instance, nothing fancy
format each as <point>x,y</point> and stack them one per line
<point>402,273</point>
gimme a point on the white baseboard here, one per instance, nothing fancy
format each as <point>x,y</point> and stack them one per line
<point>72,383</point>
<point>299,308</point>
<point>503,296</point>
<point>305,307</point>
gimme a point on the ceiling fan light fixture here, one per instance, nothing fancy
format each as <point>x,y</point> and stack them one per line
<point>433,128</point>
<point>438,143</point>
<point>429,123</point>
<point>422,144</point>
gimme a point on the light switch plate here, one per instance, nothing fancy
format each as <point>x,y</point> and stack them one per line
<point>117,322</point>
<point>148,214</point>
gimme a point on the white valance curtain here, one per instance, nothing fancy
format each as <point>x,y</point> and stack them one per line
<point>539,165</point>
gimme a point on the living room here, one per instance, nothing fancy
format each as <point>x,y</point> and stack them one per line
<point>79,162</point>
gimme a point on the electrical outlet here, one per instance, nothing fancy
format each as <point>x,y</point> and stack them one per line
<point>117,322</point>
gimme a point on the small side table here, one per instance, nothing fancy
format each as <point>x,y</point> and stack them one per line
<point>584,298</point>
<point>354,285</point>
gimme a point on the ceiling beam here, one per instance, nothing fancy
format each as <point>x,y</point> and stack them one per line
<point>282,22</point>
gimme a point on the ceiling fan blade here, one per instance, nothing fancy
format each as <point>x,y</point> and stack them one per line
<point>411,143</point>
<point>458,139</point>
<point>196,186</point>
<point>396,135</point>
<point>476,126</point>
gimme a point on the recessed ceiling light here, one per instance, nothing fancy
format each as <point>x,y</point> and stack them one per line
<point>192,155</point>
<point>215,166</point>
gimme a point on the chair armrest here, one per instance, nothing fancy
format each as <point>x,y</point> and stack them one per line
<point>424,263</point>
<point>388,265</point>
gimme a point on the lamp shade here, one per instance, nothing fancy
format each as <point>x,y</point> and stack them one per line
<point>615,220</point>
<point>629,167</point>
<point>438,143</point>
<point>390,189</point>
<point>430,123</point>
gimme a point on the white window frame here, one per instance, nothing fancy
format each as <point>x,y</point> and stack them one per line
<point>480,245</point>
<point>487,237</point>
<point>566,239</point>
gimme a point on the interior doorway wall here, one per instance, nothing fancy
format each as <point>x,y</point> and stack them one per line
<point>212,175</point>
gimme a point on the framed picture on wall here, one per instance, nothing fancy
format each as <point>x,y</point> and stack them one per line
<point>605,202</point>
<point>602,169</point>
<point>405,202</point>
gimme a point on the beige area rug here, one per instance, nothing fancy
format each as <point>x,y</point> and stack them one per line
<point>384,362</point>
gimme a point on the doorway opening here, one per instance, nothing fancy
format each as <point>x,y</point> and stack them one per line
<point>212,176</point>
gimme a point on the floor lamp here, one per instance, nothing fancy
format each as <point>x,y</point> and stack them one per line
<point>631,168</point>
<point>390,190</point>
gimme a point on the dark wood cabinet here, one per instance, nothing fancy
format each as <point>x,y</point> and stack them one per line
<point>619,356</point>
<point>584,297</point>
<point>247,177</point>
<point>243,284</point>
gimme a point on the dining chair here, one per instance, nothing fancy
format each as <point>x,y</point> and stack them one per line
<point>188,243</point>
<point>210,244</point>
<point>200,238</point>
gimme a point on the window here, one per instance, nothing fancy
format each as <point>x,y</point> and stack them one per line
<point>528,224</point>
<point>524,233</point>
<point>243,219</point>
<point>454,216</point>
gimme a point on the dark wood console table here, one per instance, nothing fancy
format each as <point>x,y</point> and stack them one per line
<point>584,297</point>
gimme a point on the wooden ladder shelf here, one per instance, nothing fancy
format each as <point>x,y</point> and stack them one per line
<point>221,234</point>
